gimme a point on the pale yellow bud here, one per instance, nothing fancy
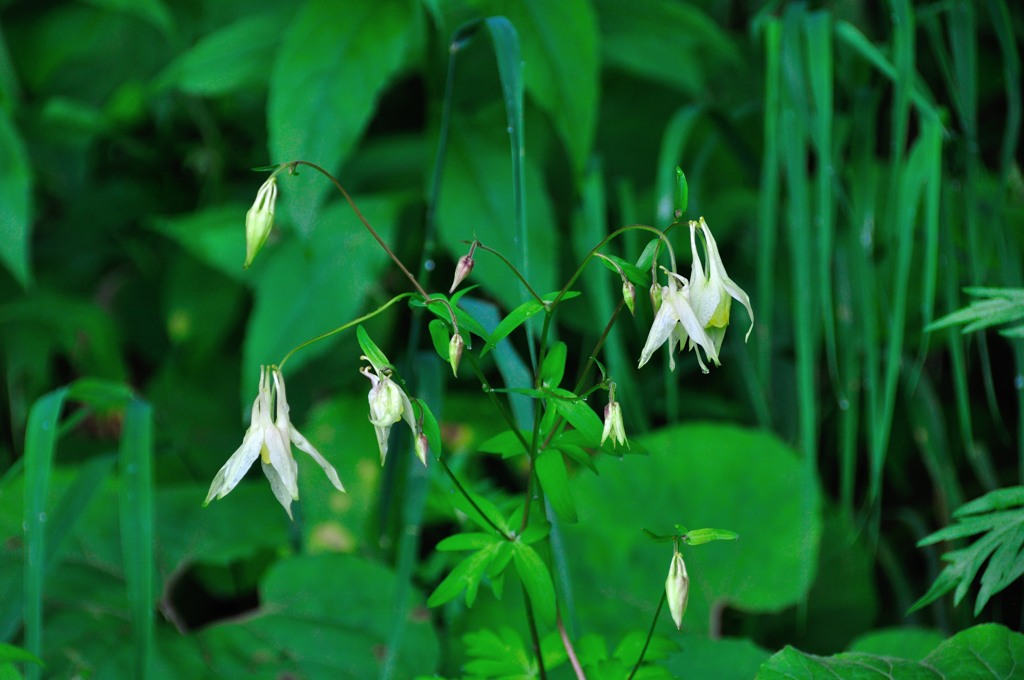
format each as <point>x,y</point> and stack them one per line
<point>259,220</point>
<point>677,588</point>
<point>455,348</point>
<point>462,270</point>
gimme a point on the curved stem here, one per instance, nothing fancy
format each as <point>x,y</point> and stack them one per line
<point>519,275</point>
<point>650,634</point>
<point>380,241</point>
<point>342,327</point>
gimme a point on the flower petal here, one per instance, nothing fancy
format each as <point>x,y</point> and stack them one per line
<point>664,321</point>
<point>281,460</point>
<point>277,485</point>
<point>717,270</point>
<point>303,444</point>
<point>242,459</point>
<point>682,310</point>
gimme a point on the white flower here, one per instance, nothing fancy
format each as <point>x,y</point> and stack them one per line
<point>613,426</point>
<point>674,322</point>
<point>389,404</point>
<point>270,438</point>
<point>677,588</point>
<point>712,292</point>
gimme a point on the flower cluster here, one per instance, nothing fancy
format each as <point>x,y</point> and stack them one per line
<point>694,312</point>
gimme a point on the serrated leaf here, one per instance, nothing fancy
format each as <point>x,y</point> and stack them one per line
<point>982,652</point>
<point>333,65</point>
<point>554,480</point>
<point>497,654</point>
<point>537,580</point>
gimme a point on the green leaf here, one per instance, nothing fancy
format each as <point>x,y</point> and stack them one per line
<point>230,59</point>
<point>985,651</point>
<point>489,510</point>
<point>465,576</point>
<point>560,47</point>
<point>313,606</point>
<point>725,659</point>
<point>430,427</point>
<point>553,368</point>
<point>370,349</point>
<point>1003,540</point>
<point>670,42</point>
<point>699,536</point>
<point>15,202</point>
<point>440,337</point>
<point>515,318</point>
<point>152,12</point>
<point>693,471</point>
<point>334,63</point>
<point>475,541</point>
<point>682,192</point>
<point>302,292</point>
<point>506,443</point>
<point>537,581</point>
<point>136,512</point>
<point>905,642</point>
<point>12,654</point>
<point>475,199</point>
<point>215,236</point>
<point>497,654</point>
<point>554,480</point>
<point>583,418</point>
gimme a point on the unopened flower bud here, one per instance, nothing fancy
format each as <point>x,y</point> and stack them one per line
<point>455,347</point>
<point>629,295</point>
<point>677,588</point>
<point>422,447</point>
<point>259,220</point>
<point>463,269</point>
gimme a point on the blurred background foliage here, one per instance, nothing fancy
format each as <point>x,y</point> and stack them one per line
<point>858,162</point>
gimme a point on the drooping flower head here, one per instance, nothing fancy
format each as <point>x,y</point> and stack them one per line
<point>389,404</point>
<point>675,322</point>
<point>613,426</point>
<point>711,290</point>
<point>677,588</point>
<point>269,437</point>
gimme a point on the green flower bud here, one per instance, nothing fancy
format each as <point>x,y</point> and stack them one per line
<point>259,220</point>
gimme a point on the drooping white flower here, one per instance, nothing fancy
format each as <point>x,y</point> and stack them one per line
<point>388,404</point>
<point>677,588</point>
<point>269,437</point>
<point>712,291</point>
<point>676,321</point>
<point>613,426</point>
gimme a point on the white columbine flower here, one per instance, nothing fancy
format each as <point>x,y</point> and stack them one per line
<point>613,426</point>
<point>270,437</point>
<point>712,292</point>
<point>388,404</point>
<point>674,322</point>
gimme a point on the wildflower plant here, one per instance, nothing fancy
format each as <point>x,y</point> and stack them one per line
<point>689,314</point>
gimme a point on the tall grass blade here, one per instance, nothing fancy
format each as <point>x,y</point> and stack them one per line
<point>40,443</point>
<point>136,468</point>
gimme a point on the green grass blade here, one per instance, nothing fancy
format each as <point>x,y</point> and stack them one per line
<point>40,443</point>
<point>768,205</point>
<point>136,513</point>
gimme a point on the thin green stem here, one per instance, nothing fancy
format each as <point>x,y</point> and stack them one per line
<point>465,494</point>
<point>373,232</point>
<point>534,636</point>
<point>650,634</point>
<point>515,270</point>
<point>342,327</point>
